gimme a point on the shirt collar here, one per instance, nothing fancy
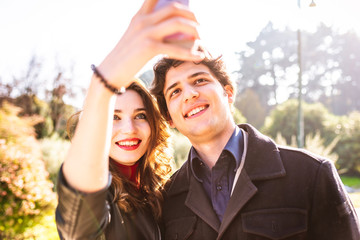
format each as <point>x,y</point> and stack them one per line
<point>234,146</point>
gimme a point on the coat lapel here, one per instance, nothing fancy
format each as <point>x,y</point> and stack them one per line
<point>243,192</point>
<point>199,203</point>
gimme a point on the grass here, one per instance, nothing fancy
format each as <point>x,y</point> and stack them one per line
<point>353,182</point>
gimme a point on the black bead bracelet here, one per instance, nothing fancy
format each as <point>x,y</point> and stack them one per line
<point>106,83</point>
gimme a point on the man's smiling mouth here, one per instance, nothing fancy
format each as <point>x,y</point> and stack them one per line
<point>195,111</point>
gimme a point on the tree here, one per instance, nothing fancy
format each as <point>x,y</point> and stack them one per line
<point>59,111</point>
<point>24,91</point>
<point>331,72</point>
<point>265,62</point>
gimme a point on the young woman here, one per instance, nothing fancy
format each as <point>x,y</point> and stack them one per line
<point>111,180</point>
<point>130,207</point>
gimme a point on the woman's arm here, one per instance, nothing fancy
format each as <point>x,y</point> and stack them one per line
<point>86,165</point>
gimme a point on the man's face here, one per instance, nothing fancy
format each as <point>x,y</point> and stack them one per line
<point>198,104</point>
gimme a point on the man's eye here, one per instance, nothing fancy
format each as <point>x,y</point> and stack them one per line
<point>116,117</point>
<point>173,93</point>
<point>140,116</point>
<point>200,80</point>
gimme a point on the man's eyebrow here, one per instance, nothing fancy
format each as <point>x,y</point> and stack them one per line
<point>198,73</point>
<point>170,87</point>
<point>191,76</point>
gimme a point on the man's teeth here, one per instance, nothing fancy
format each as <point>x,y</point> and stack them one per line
<point>195,111</point>
<point>128,143</point>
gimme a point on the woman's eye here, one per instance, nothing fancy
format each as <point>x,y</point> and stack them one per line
<point>116,117</point>
<point>140,116</point>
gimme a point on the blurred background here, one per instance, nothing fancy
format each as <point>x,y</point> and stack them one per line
<point>296,64</point>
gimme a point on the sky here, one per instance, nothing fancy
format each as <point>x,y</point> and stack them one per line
<point>78,33</point>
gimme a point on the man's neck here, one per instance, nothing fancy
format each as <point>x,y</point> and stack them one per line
<point>210,149</point>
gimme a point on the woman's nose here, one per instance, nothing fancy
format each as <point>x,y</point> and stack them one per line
<point>128,126</point>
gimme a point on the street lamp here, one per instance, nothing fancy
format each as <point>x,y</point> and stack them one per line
<point>300,120</point>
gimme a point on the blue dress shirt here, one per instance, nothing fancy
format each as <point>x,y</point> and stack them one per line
<point>218,181</point>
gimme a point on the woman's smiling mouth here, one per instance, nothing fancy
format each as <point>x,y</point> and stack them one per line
<point>129,144</point>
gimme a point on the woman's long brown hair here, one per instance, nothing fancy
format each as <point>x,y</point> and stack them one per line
<point>154,167</point>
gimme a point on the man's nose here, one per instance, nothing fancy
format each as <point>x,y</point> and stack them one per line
<point>190,94</point>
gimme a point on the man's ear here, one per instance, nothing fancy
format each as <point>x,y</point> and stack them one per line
<point>171,123</point>
<point>230,93</point>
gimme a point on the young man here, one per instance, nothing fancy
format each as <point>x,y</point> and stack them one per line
<point>237,183</point>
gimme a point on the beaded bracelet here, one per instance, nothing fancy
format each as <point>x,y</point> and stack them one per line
<point>106,83</point>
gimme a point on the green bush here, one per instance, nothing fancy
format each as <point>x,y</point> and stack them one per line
<point>283,120</point>
<point>25,190</point>
<point>341,134</point>
<point>348,147</point>
<point>54,150</point>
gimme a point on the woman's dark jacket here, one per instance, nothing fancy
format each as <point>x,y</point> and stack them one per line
<point>95,216</point>
<point>281,193</point>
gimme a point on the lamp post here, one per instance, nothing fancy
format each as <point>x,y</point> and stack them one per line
<point>300,119</point>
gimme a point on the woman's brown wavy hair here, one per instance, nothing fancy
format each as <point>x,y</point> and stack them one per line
<point>154,166</point>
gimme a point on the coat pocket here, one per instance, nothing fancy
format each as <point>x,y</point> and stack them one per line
<point>180,228</point>
<point>276,224</point>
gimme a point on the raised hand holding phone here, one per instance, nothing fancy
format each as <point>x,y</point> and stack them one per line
<point>179,38</point>
<point>147,36</point>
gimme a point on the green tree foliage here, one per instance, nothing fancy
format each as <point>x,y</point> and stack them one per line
<point>283,120</point>
<point>250,106</point>
<point>25,190</point>
<point>330,67</point>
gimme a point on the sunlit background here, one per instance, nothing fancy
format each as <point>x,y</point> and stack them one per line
<point>72,35</point>
<point>47,47</point>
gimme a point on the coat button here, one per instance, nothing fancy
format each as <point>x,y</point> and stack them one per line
<point>219,187</point>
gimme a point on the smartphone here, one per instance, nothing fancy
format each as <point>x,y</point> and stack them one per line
<point>162,3</point>
<point>176,38</point>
